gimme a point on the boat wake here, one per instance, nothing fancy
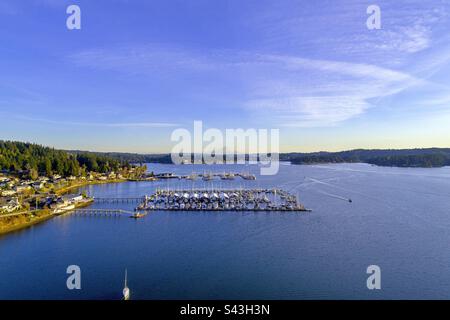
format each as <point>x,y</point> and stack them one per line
<point>334,196</point>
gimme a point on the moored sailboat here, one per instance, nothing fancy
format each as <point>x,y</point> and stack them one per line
<point>126,290</point>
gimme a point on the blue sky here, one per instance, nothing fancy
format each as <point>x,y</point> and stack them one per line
<point>137,70</point>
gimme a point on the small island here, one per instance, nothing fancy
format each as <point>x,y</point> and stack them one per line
<point>423,158</point>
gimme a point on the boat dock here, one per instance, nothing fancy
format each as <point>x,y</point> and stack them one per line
<point>109,212</point>
<point>207,176</point>
<point>221,200</point>
<point>103,211</point>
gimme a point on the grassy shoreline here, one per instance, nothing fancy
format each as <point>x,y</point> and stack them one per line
<point>24,225</point>
<point>25,220</point>
<point>66,189</point>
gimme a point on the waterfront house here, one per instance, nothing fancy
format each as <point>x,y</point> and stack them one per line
<point>11,205</point>
<point>77,198</point>
<point>4,179</point>
<point>111,175</point>
<point>22,188</point>
<point>60,181</point>
<point>44,179</point>
<point>46,202</point>
<point>38,185</point>
<point>8,193</point>
<point>4,207</point>
<point>60,202</point>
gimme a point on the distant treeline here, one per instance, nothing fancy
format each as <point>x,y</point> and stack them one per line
<point>33,158</point>
<point>431,157</point>
<point>17,156</point>
<point>130,157</point>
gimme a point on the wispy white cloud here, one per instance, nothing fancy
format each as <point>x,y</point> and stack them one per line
<point>333,77</point>
<point>407,39</point>
<point>337,91</point>
<point>295,91</point>
<point>311,111</point>
<point>142,59</point>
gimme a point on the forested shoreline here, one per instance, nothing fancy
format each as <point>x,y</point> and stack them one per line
<point>427,158</point>
<point>22,156</point>
<point>17,156</point>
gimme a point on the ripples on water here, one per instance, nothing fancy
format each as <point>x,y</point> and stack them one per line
<point>398,219</point>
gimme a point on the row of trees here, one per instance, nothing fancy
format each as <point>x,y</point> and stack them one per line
<point>427,160</point>
<point>35,159</point>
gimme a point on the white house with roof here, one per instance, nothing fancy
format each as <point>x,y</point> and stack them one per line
<point>11,205</point>
<point>8,193</point>
<point>22,188</point>
<point>38,185</point>
<point>4,179</point>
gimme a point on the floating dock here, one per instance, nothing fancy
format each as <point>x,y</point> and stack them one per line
<point>207,176</point>
<point>221,200</point>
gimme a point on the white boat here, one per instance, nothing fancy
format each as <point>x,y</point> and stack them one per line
<point>64,209</point>
<point>226,196</point>
<point>193,176</point>
<point>126,290</point>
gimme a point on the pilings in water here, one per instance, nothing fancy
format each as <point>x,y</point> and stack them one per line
<point>106,212</point>
<point>118,200</point>
<point>207,176</point>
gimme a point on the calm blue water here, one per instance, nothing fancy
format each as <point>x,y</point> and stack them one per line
<point>399,219</point>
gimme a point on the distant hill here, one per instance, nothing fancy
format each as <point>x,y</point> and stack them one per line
<point>130,157</point>
<point>429,157</point>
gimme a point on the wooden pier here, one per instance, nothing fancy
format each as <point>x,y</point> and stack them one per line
<point>118,200</point>
<point>104,212</point>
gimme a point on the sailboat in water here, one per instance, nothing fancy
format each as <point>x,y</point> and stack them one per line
<point>126,290</point>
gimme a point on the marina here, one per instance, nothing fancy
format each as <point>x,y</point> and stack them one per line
<point>206,176</point>
<point>221,200</point>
